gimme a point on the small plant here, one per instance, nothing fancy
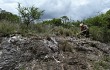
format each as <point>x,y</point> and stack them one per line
<point>106,58</point>
<point>8,28</point>
<point>101,64</point>
<point>65,47</point>
<point>22,68</point>
<point>63,31</point>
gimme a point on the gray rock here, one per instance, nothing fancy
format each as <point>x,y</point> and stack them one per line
<point>46,53</point>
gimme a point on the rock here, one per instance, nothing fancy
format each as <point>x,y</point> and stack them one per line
<point>47,53</point>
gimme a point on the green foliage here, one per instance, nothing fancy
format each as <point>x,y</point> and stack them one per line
<point>101,20</point>
<point>66,47</point>
<point>7,28</point>
<point>29,14</point>
<point>56,22</point>
<point>41,28</point>
<point>101,65</point>
<point>63,31</point>
<point>64,19</point>
<point>48,22</point>
<point>96,33</point>
<point>76,23</point>
<point>22,68</point>
<point>106,58</point>
<point>100,26</point>
<point>100,33</point>
<point>9,17</point>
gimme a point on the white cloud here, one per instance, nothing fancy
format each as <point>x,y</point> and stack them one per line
<point>76,9</point>
<point>11,7</point>
<point>105,10</point>
<point>9,1</point>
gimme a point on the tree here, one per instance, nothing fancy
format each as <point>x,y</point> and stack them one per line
<point>56,21</point>
<point>29,14</point>
<point>8,16</point>
<point>65,19</point>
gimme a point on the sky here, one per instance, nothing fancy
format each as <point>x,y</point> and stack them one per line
<point>74,9</point>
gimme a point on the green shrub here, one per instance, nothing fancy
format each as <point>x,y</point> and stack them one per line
<point>106,58</point>
<point>100,33</point>
<point>65,47</point>
<point>8,28</point>
<point>40,28</point>
<point>63,31</point>
<point>103,64</point>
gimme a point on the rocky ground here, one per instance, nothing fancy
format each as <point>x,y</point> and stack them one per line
<point>53,53</point>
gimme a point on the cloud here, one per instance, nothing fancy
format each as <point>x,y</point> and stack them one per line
<point>9,1</point>
<point>76,9</point>
<point>105,10</point>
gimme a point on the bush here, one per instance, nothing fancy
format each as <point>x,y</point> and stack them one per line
<point>100,33</point>
<point>101,64</point>
<point>8,28</point>
<point>65,47</point>
<point>63,31</point>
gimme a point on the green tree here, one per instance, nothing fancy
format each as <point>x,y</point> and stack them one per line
<point>29,14</point>
<point>56,21</point>
<point>65,19</point>
<point>4,15</point>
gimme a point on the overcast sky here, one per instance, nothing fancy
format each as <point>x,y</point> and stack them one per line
<point>74,9</point>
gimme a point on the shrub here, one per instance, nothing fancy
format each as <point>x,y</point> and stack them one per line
<point>100,33</point>
<point>63,31</point>
<point>103,64</point>
<point>8,28</point>
<point>65,47</point>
